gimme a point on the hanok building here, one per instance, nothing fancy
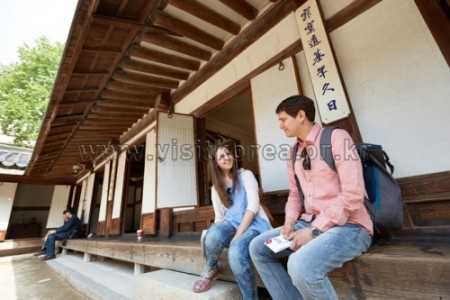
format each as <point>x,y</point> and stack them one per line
<point>144,85</point>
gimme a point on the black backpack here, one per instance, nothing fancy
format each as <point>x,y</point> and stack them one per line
<point>384,201</point>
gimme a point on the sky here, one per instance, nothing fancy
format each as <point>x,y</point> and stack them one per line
<point>23,21</point>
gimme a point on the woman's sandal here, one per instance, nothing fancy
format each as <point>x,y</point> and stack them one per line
<point>205,281</point>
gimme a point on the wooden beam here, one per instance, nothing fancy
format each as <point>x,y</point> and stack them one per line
<point>117,22</point>
<point>89,73</point>
<point>53,149</point>
<point>164,58</point>
<point>242,7</point>
<point>90,140</point>
<point>103,126</point>
<point>125,98</point>
<point>124,104</point>
<point>112,95</point>
<point>97,116</point>
<point>177,45</point>
<point>102,132</point>
<point>437,15</point>
<point>80,91</point>
<point>186,29</point>
<point>128,109</point>
<point>133,65</point>
<point>36,179</point>
<point>129,88</point>
<point>247,37</point>
<point>206,14</point>
<point>77,102</point>
<point>64,123</point>
<point>101,50</point>
<point>58,135</point>
<point>55,143</point>
<point>107,110</point>
<point>146,80</point>
<point>68,117</point>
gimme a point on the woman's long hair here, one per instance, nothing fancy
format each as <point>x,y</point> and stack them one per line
<point>217,176</point>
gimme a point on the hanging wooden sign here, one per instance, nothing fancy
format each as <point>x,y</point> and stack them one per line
<point>331,100</point>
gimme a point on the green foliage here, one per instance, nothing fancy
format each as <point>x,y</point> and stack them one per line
<point>25,89</point>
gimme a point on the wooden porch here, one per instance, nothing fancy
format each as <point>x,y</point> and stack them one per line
<point>405,269</point>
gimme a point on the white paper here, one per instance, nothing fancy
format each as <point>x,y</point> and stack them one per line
<point>278,243</point>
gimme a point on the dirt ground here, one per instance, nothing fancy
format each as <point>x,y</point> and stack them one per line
<point>26,277</point>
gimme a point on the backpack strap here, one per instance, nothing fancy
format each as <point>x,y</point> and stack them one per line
<point>297,181</point>
<point>325,146</point>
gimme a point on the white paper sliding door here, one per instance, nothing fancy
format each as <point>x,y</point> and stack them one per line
<point>148,198</point>
<point>118,192</point>
<point>176,166</point>
<point>105,189</point>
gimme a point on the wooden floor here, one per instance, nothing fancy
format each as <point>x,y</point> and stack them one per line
<point>402,270</point>
<point>20,246</point>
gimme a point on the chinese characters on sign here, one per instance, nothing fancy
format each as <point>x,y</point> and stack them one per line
<point>330,96</point>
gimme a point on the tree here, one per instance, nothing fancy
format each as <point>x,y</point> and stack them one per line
<point>25,89</point>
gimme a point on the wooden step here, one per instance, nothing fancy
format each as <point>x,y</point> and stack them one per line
<point>20,246</point>
<point>402,270</point>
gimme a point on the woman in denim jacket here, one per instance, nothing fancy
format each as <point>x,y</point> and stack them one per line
<point>239,217</point>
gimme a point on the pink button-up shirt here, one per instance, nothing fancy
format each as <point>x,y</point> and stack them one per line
<point>335,198</point>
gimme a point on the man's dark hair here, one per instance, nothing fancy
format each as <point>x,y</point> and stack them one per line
<point>293,104</point>
<point>69,210</point>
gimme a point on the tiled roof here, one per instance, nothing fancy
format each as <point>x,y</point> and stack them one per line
<point>14,157</point>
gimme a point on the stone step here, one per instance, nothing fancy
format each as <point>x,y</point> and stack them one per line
<point>166,284</point>
<point>97,279</point>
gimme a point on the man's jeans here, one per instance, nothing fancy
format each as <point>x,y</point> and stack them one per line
<point>216,239</point>
<point>307,268</point>
<point>49,244</point>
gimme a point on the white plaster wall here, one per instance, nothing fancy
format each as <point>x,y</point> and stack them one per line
<point>59,204</point>
<point>331,7</point>
<point>398,83</point>
<point>7,192</point>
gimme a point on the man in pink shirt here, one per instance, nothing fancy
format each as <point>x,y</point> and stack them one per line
<point>331,228</point>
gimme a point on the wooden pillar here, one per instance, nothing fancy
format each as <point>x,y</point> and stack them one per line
<point>165,222</point>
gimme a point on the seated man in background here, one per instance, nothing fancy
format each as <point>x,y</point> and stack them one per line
<point>71,223</point>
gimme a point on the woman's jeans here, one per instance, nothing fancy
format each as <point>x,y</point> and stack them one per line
<point>307,268</point>
<point>217,238</point>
